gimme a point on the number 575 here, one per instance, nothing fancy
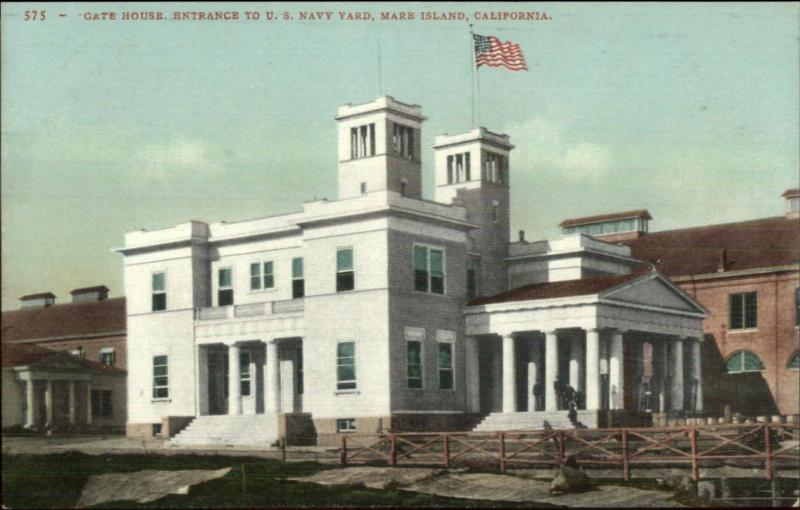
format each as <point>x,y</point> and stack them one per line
<point>35,15</point>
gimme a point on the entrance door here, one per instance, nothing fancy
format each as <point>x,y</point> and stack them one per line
<point>217,382</point>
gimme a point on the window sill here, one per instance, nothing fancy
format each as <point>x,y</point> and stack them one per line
<point>747,330</point>
<point>262,291</point>
<point>346,392</point>
<point>160,400</point>
<point>421,293</point>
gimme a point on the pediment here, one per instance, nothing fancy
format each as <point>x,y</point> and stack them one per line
<point>654,291</point>
<point>60,361</point>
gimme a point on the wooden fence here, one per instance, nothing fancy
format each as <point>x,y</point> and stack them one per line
<point>751,445</point>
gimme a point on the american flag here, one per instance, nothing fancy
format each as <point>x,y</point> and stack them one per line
<point>489,51</point>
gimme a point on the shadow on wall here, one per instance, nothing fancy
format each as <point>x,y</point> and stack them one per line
<point>746,392</point>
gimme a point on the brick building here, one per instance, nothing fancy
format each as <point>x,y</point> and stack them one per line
<point>64,365</point>
<point>746,274</point>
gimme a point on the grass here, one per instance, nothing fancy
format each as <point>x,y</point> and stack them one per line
<point>56,481</point>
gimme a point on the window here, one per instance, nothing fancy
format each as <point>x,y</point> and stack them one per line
<point>345,277</point>
<point>403,141</point>
<point>159,286</point>
<point>160,377</point>
<point>472,277</point>
<point>225,287</point>
<point>363,188</point>
<point>101,403</point>
<point>362,141</point>
<point>428,269</point>
<point>403,186</point>
<point>744,310</point>
<point>78,352</point>
<point>494,167</point>
<point>298,283</point>
<point>459,168</point>
<point>414,364</point>
<point>743,361</point>
<point>244,373</point>
<point>346,366</point>
<point>298,372</point>
<point>445,364</point>
<point>346,425</point>
<point>107,356</point>
<point>261,275</point>
<point>797,306</point>
<point>794,362</point>
<point>495,211</point>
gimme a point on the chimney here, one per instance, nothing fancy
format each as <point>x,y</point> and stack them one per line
<point>723,261</point>
<point>40,300</point>
<point>97,293</point>
<point>792,197</point>
<point>522,236</point>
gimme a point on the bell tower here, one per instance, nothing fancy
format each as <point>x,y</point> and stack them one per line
<point>472,170</point>
<point>379,148</point>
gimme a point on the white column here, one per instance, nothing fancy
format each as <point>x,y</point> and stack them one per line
<point>48,402</point>
<point>509,375</point>
<point>273,390</point>
<point>550,370</point>
<point>29,402</point>
<point>88,403</point>
<point>72,402</point>
<point>473,375</point>
<point>574,367</point>
<point>697,372</point>
<point>234,376</point>
<point>676,375</point>
<point>592,369</point>
<point>663,377</point>
<point>533,372</point>
<point>616,372</point>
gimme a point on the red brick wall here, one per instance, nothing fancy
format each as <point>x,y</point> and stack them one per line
<point>776,338</point>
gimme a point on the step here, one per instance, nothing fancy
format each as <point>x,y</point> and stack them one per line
<point>246,430</point>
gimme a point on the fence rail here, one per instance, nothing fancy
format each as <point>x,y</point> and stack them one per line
<point>769,445</point>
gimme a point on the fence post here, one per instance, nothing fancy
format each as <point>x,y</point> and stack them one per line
<point>446,450</point>
<point>392,450</point>
<point>502,438</point>
<point>561,449</point>
<point>768,451</point>
<point>626,469</point>
<point>693,438</point>
<point>343,450</point>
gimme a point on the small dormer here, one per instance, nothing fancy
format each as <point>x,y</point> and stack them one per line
<point>610,227</point>
<point>86,294</point>
<point>40,300</point>
<point>792,197</point>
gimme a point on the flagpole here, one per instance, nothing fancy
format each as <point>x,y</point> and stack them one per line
<point>472,73</point>
<point>380,70</point>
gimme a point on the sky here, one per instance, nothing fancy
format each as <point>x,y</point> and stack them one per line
<point>687,110</point>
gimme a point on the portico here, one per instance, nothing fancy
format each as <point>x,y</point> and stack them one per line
<point>628,342</point>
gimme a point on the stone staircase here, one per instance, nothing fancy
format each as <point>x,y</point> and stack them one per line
<point>226,430</point>
<point>535,420</point>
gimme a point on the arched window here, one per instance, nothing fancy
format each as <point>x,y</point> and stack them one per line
<point>794,362</point>
<point>743,361</point>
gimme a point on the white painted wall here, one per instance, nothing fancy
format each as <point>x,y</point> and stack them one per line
<point>13,399</point>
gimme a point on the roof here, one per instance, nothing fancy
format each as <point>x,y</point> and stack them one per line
<point>69,319</point>
<point>791,193</point>
<point>639,213</point>
<point>21,355</point>
<point>550,290</point>
<point>754,244</point>
<point>40,295</point>
<point>85,290</point>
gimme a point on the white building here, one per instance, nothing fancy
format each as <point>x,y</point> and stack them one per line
<point>353,315</point>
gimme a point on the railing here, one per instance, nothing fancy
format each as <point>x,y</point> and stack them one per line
<point>757,445</point>
<point>249,310</point>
